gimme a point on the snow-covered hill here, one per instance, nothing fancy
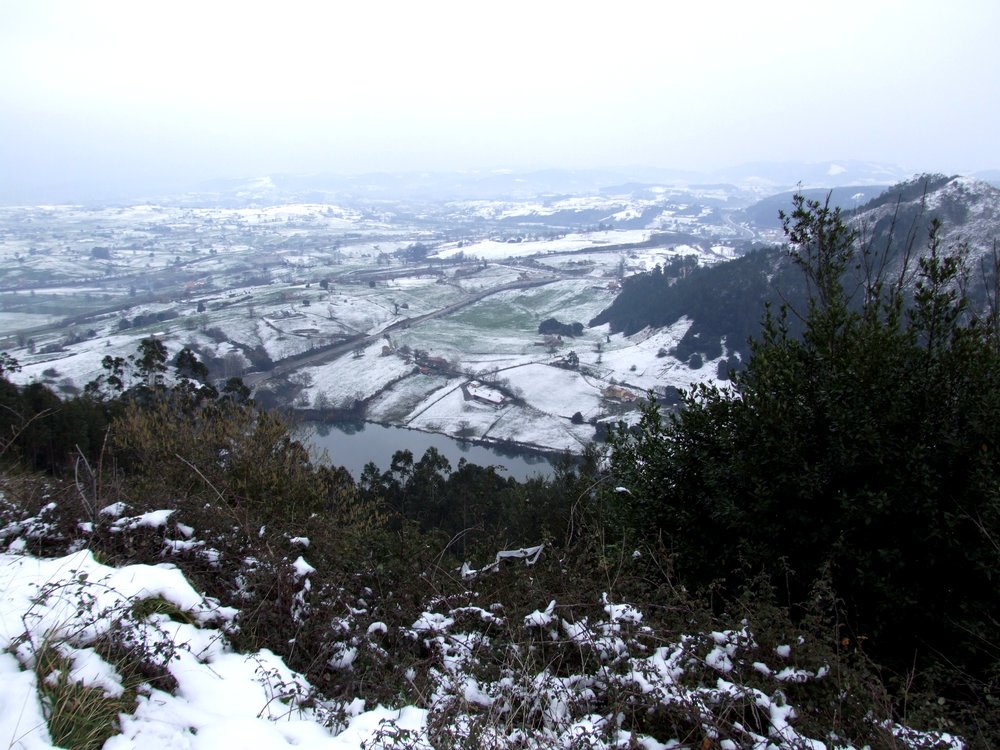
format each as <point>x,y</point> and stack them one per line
<point>968,209</point>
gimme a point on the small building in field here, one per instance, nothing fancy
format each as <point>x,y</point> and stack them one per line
<point>618,393</point>
<point>438,363</point>
<point>484,394</point>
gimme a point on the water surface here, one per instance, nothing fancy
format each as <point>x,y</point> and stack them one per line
<point>352,445</point>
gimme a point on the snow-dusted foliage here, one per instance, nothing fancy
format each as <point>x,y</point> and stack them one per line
<point>598,674</point>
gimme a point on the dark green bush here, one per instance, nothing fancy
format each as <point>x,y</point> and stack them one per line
<point>869,446</point>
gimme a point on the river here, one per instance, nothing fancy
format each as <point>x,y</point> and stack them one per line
<point>353,445</point>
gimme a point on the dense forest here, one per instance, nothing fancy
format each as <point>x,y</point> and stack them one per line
<point>724,302</point>
<point>845,488</point>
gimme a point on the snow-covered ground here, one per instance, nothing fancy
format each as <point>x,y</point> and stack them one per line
<point>502,250</point>
<point>497,339</point>
<point>58,615</point>
<point>354,377</point>
<point>222,698</point>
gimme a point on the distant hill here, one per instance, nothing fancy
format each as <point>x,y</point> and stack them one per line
<point>759,178</point>
<point>754,179</point>
<point>825,174</point>
<point>764,213</point>
<point>726,301</point>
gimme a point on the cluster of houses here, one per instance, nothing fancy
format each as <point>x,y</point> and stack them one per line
<point>424,361</point>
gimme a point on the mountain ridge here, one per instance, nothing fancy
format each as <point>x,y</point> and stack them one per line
<point>761,178</point>
<point>726,301</point>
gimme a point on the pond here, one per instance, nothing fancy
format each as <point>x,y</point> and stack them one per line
<point>352,445</point>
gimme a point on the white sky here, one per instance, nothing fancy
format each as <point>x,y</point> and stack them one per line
<point>135,89</point>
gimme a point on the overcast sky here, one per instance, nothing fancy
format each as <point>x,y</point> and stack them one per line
<point>139,90</point>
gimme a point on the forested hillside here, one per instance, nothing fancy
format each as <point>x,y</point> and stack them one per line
<point>725,302</point>
<point>764,214</point>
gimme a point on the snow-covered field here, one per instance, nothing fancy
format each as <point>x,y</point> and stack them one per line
<point>354,376</point>
<point>242,284</point>
<point>497,338</point>
<point>497,250</point>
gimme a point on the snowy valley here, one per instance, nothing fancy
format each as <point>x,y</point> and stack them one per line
<point>192,577</point>
<point>419,315</point>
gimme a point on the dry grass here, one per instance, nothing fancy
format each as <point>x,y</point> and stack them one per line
<point>78,716</point>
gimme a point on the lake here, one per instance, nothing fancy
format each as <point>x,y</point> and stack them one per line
<point>353,445</point>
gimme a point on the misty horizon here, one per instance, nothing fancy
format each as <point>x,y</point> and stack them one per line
<point>126,98</point>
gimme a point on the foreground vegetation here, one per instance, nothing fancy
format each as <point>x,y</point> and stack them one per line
<point>839,507</point>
